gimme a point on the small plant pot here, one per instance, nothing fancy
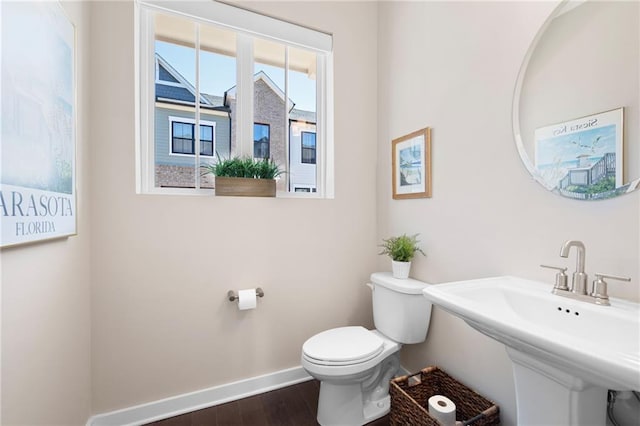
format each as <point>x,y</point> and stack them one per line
<point>400,270</point>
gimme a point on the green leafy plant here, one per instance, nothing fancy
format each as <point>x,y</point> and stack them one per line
<point>264,168</point>
<point>402,248</point>
<point>606,184</point>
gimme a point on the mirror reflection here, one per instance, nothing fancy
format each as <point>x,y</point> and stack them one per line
<point>576,115</point>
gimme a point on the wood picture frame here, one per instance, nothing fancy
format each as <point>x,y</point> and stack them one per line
<point>411,165</point>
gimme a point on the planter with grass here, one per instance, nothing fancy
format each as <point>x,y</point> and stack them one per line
<point>244,177</point>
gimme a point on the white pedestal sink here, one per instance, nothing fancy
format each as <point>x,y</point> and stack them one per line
<point>565,353</point>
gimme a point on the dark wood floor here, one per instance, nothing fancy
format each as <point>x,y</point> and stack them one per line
<point>295,405</point>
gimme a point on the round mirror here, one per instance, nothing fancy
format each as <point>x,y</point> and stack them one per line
<point>576,104</point>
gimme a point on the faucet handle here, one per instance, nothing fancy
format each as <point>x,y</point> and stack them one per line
<point>599,290</point>
<point>613,277</point>
<point>561,278</point>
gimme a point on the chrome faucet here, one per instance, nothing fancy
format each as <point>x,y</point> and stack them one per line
<point>578,290</point>
<point>579,280</point>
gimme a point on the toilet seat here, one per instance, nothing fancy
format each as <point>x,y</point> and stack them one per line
<point>343,346</point>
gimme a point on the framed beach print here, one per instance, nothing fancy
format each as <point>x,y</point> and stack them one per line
<point>411,165</point>
<point>582,158</point>
<point>37,139</point>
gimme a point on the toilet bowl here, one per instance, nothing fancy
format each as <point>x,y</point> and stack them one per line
<point>354,365</point>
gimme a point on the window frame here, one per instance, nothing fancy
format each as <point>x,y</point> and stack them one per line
<point>268,126</point>
<point>186,120</point>
<point>247,25</point>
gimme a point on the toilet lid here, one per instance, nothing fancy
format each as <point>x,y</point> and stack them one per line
<point>343,346</point>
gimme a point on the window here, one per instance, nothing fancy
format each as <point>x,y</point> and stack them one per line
<point>233,83</point>
<point>260,140</point>
<point>308,147</point>
<point>183,139</point>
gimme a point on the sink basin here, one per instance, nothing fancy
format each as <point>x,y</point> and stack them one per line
<point>600,341</point>
<point>576,344</point>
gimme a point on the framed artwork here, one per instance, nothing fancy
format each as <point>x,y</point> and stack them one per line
<point>411,165</point>
<point>37,139</point>
<point>583,157</point>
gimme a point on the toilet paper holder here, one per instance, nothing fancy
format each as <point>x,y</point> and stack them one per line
<point>232,296</point>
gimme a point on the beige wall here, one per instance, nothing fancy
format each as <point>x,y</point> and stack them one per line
<point>161,265</point>
<point>452,66</point>
<point>46,298</point>
<point>155,322</point>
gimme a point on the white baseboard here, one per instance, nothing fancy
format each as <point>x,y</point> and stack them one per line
<point>176,405</point>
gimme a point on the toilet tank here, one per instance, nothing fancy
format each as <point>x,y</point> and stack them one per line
<point>400,311</point>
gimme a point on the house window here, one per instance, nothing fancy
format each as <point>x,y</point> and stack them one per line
<point>248,74</point>
<point>308,147</point>
<point>260,140</point>
<point>183,139</point>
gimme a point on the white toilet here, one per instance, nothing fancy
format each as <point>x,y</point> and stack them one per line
<point>354,365</point>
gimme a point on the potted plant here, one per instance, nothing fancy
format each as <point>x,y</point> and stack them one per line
<point>244,177</point>
<point>401,250</point>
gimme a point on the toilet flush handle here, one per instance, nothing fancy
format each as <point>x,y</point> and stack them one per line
<point>370,286</point>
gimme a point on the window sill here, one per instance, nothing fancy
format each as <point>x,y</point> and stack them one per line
<point>210,192</point>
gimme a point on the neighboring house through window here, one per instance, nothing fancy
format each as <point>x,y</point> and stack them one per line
<point>227,82</point>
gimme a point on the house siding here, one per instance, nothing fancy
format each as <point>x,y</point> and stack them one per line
<point>165,75</point>
<point>162,135</point>
<point>301,175</point>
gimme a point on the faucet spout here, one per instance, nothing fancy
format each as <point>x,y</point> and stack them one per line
<point>579,245</point>
<point>579,284</point>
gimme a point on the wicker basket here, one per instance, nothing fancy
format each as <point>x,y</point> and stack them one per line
<point>410,396</point>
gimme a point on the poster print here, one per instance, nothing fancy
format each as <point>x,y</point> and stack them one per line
<point>37,139</point>
<point>582,158</point>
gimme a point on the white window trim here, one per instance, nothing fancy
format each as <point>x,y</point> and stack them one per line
<point>187,120</point>
<point>248,25</point>
<point>169,83</point>
<point>245,21</point>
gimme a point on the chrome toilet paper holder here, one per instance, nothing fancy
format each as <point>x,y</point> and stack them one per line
<point>232,296</point>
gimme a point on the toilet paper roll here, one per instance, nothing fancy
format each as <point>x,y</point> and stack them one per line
<point>443,410</point>
<point>247,299</point>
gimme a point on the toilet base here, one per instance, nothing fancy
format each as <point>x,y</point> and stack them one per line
<point>349,403</point>
<point>342,405</point>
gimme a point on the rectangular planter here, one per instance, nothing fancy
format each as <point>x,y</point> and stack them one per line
<point>245,187</point>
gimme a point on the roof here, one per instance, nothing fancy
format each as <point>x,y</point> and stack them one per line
<point>171,86</point>
<point>213,99</point>
<point>302,115</point>
<point>261,75</point>
<point>169,79</point>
